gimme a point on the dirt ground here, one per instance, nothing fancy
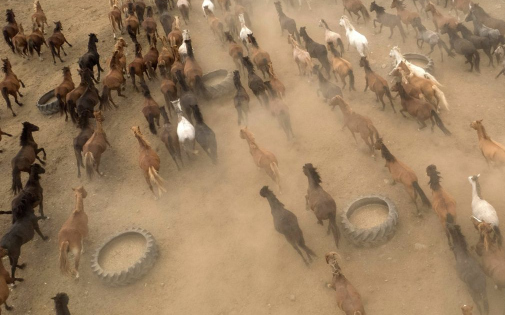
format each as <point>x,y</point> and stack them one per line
<point>219,251</point>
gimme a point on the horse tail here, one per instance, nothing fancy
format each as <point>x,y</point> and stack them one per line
<point>388,92</point>
<point>340,43</point>
<point>334,228</point>
<point>61,103</point>
<point>449,218</point>
<point>53,49</point>
<point>277,174</point>
<point>374,132</point>
<point>150,120</point>
<point>477,61</point>
<point>17,186</point>
<point>441,96</point>
<point>104,99</point>
<point>497,231</point>
<point>350,73</point>
<point>156,179</point>
<point>440,124</point>
<point>30,46</point>
<point>430,77</point>
<point>200,88</point>
<point>89,162</point>
<point>363,11</point>
<point>64,265</point>
<point>421,193</point>
<point>8,40</point>
<point>132,34</point>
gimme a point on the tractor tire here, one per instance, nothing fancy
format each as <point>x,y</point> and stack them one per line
<point>137,270</point>
<point>46,107</point>
<point>222,87</point>
<point>376,235</point>
<point>429,63</point>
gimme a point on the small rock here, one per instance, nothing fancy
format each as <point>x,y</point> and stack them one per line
<point>383,66</point>
<point>292,297</point>
<point>419,246</point>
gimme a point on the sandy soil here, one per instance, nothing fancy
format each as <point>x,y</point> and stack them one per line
<point>219,251</point>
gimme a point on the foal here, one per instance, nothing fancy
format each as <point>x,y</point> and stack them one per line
<point>63,89</point>
<point>56,41</point>
<point>95,147</point>
<point>26,156</point>
<point>72,234</point>
<point>403,174</point>
<point>320,202</point>
<point>10,85</point>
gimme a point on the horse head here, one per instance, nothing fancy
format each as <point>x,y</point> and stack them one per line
<point>38,169</point>
<point>30,127</point>
<point>93,38</point>
<point>476,124</point>
<point>80,191</point>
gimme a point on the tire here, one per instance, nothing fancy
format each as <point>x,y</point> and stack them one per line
<point>135,271</point>
<point>376,235</point>
<point>46,107</point>
<point>430,64</point>
<point>219,88</point>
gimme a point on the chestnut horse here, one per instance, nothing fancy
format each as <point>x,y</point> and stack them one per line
<point>439,19</point>
<point>491,150</point>
<point>63,89</point>
<point>10,85</point>
<point>56,41</point>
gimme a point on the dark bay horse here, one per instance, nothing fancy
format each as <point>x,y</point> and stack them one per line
<point>11,29</point>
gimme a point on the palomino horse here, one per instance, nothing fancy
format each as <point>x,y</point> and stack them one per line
<point>39,17</point>
<point>342,67</point>
<point>26,156</point>
<point>91,59</point>
<point>72,234</point>
<point>10,85</point>
<point>11,29</point>
<point>149,163</point>
<point>491,150</point>
<point>56,42</point>
<point>357,123</point>
<point>321,202</point>
<point>262,158</point>
<point>63,89</point>
<point>354,38</point>
<point>403,174</point>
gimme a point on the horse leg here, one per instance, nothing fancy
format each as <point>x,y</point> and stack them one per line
<point>345,83</point>
<point>41,150</point>
<point>297,250</point>
<point>63,49</point>
<point>239,114</point>
<point>133,82</point>
<point>41,207</point>
<point>353,135</point>
<point>37,229</point>
<point>381,98</point>
<point>97,165</point>
<point>78,157</point>
<point>77,258</point>
<point>391,29</point>
<point>66,41</point>
<point>8,101</point>
<point>421,123</point>
<point>16,99</point>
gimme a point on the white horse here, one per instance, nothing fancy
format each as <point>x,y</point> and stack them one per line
<point>244,30</point>
<point>183,51</point>
<point>185,130</point>
<point>415,70</point>
<point>354,38</point>
<point>209,5</point>
<point>481,209</point>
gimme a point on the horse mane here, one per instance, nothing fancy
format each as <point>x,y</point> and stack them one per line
<point>130,8</point>
<point>248,64</point>
<point>325,24</point>
<point>229,38</point>
<point>5,66</point>
<point>236,79</point>
<point>313,173</point>
<point>475,179</point>
<point>181,81</point>
<point>25,135</point>
<point>23,207</point>
<point>189,48</point>
<point>278,6</point>
<point>386,154</point>
<point>36,5</point>
<point>149,11</point>
<point>254,43</point>
<point>10,16</point>
<point>143,142</point>
<point>481,10</point>
<point>434,177</point>
<point>197,114</point>
<point>334,50</point>
<point>83,121</point>
<point>306,37</point>
<point>484,133</point>
<point>91,42</point>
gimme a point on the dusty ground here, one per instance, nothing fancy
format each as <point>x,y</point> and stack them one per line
<point>219,251</point>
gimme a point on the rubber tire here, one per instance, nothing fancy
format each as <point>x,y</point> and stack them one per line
<point>430,64</point>
<point>48,108</point>
<point>134,272</point>
<point>376,235</point>
<point>221,88</point>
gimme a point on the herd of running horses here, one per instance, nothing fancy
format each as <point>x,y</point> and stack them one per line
<point>182,85</point>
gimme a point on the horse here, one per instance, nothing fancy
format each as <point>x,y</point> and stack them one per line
<point>286,22</point>
<point>169,137</point>
<point>406,16</point>
<point>150,27</point>
<point>151,60</point>
<point>244,31</point>
<point>210,7</point>
<point>138,67</point>
<point>72,234</point>
<point>492,151</point>
<point>183,6</point>
<point>185,131</point>
<point>356,123</point>
<point>463,47</point>
<point>132,23</point>
<point>326,88</point>
<point>194,74</point>
<point>91,59</point>
<point>263,159</point>
<point>354,38</point>
<point>277,86</point>
<point>56,41</point>
<point>5,279</point>
<point>483,210</point>
<point>486,19</point>
<point>10,85</point>
<point>35,41</point>
<point>416,70</point>
<point>301,57</point>
<point>20,42</point>
<point>3,133</point>
<point>81,139</point>
<point>241,99</point>
<point>439,20</point>
<point>74,95</point>
<point>114,80</point>
<point>376,83</point>
<point>183,50</point>
<point>116,20</point>
<point>482,30</point>
<point>425,35</point>
<point>387,19</point>
<point>235,51</point>
<point>356,6</point>
<point>39,17</point>
<point>26,156</point>
<point>175,36</point>
<point>316,50</point>
<point>468,268</point>
<point>259,56</point>
<point>150,110</point>
<point>187,99</point>
<point>168,87</point>
<point>63,89</point>
<point>231,23</point>
<point>11,29</point>
<point>32,191</point>
<point>86,103</point>
<point>420,109</point>
<point>256,84</point>
<point>149,163</point>
<point>403,174</point>
<point>320,202</point>
<point>166,56</point>
<point>95,147</point>
<point>331,38</point>
<point>280,110</point>
<point>479,42</point>
<point>342,67</point>
<point>205,137</point>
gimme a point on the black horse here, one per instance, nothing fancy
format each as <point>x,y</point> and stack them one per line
<point>463,47</point>
<point>479,42</point>
<point>316,50</point>
<point>241,99</point>
<point>386,19</point>
<point>205,137</point>
<point>85,105</point>
<point>255,83</point>
<point>91,59</point>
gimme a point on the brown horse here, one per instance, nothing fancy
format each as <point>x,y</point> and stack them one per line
<point>10,85</point>
<point>215,24</point>
<point>405,15</point>
<point>166,55</point>
<point>403,174</point>
<point>193,73</point>
<point>81,139</point>
<point>175,36</point>
<point>467,309</point>
<point>5,279</point>
<point>119,47</point>
<point>114,80</point>
<point>168,87</point>
<point>132,23</point>
<point>491,150</point>
<point>20,43</point>
<point>3,133</point>
<point>236,51</point>
<point>39,17</point>
<point>439,19</point>
<point>377,84</point>
<point>11,29</point>
<point>35,41</point>
<point>342,67</point>
<point>151,60</point>
<point>442,202</point>
<point>72,234</point>
<point>57,40</point>
<point>26,156</point>
<point>262,158</point>
<point>151,110</point>
<point>277,85</point>
<point>356,123</point>
<point>149,163</point>
<point>321,202</point>
<point>63,89</point>
<point>95,147</point>
<point>74,95</point>
<point>150,27</point>
<point>356,6</point>
<point>259,56</point>
<point>460,5</point>
<point>116,21</point>
<point>138,67</point>
<point>177,64</point>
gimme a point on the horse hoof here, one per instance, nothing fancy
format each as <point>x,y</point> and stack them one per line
<point>22,266</point>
